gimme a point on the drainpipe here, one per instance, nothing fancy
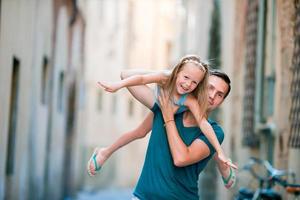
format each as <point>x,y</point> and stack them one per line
<point>265,129</point>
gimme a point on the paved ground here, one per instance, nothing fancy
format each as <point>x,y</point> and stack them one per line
<point>108,194</point>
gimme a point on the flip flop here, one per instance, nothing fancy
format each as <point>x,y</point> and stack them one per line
<point>94,161</point>
<point>230,181</point>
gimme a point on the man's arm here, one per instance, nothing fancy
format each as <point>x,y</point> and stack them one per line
<point>182,154</point>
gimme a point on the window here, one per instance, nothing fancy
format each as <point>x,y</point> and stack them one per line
<point>60,97</point>
<point>13,111</point>
<point>45,81</point>
<point>214,48</point>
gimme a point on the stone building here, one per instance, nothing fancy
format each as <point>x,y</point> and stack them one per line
<point>259,49</point>
<point>41,77</point>
<point>262,113</point>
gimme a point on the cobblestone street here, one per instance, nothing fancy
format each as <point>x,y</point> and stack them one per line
<point>107,194</point>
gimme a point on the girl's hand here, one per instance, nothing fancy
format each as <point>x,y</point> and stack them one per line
<point>167,107</point>
<point>109,86</point>
<point>226,161</point>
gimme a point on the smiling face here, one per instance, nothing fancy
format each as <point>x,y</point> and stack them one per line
<point>188,78</point>
<point>217,90</point>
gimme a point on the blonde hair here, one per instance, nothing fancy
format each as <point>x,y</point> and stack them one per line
<point>200,92</point>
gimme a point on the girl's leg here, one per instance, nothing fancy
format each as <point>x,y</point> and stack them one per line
<point>102,154</point>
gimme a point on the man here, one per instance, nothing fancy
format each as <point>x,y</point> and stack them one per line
<point>178,151</point>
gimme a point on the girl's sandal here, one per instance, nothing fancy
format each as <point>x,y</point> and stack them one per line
<point>230,181</point>
<point>93,160</point>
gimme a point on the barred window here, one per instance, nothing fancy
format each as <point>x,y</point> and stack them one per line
<point>249,137</point>
<point>294,139</point>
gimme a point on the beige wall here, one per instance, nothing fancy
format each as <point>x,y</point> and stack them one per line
<point>39,112</point>
<point>27,34</point>
<point>16,40</point>
<point>105,29</point>
<point>285,157</point>
<point>76,80</point>
<point>153,30</point>
<point>230,118</point>
<point>57,121</point>
<point>192,26</point>
<point>137,37</point>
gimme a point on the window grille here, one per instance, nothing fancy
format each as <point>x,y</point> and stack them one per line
<point>249,138</point>
<point>294,139</point>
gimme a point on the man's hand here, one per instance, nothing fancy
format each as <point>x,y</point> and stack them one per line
<point>110,86</point>
<point>168,108</point>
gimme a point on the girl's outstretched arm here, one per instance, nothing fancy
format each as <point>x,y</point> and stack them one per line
<point>143,93</point>
<point>135,78</point>
<point>132,72</point>
<point>207,130</point>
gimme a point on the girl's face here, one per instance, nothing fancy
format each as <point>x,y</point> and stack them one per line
<point>188,78</point>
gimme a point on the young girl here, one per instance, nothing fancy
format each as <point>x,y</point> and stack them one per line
<point>186,87</point>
